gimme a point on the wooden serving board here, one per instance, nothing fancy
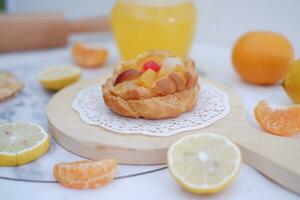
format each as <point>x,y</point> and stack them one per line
<point>274,156</point>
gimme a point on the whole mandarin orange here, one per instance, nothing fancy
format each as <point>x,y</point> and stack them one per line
<point>262,57</point>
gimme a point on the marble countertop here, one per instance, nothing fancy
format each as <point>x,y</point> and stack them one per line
<point>30,106</point>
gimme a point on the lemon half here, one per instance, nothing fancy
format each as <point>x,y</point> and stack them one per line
<point>56,78</point>
<point>21,143</point>
<point>291,82</point>
<point>204,163</point>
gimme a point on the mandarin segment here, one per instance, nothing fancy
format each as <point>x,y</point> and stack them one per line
<point>89,57</point>
<point>85,174</point>
<point>278,120</point>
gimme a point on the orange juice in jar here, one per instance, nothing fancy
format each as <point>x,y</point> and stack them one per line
<point>142,25</point>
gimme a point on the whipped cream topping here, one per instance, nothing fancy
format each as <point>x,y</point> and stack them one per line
<point>172,62</point>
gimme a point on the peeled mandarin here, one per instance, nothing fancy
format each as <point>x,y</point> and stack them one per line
<point>85,174</point>
<point>89,57</point>
<point>278,119</point>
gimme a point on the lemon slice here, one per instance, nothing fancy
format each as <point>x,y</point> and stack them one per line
<point>21,143</point>
<point>204,163</point>
<point>56,78</point>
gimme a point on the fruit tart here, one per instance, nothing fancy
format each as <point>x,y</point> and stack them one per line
<point>155,85</point>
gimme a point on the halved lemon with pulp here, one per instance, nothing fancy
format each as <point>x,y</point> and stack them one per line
<point>58,77</point>
<point>21,143</point>
<point>204,163</point>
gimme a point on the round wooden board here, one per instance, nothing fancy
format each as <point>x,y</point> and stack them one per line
<point>276,157</point>
<point>95,142</point>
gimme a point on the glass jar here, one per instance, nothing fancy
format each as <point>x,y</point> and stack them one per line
<point>142,25</point>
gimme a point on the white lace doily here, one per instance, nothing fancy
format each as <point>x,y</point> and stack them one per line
<point>212,105</point>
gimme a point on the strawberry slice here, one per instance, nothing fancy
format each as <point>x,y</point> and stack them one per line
<point>151,65</point>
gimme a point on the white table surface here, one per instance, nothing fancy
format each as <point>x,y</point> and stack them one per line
<point>215,62</point>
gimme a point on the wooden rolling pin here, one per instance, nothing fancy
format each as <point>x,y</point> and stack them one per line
<point>37,31</point>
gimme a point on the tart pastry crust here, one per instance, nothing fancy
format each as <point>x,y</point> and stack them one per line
<point>169,96</point>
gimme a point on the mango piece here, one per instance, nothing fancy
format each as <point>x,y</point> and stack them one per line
<point>147,79</point>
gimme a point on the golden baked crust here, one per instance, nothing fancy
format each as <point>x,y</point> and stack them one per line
<point>169,96</point>
<point>153,108</point>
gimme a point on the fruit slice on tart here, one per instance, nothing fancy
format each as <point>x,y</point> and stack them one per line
<point>147,78</point>
<point>171,64</point>
<point>146,71</point>
<point>127,75</point>
<point>151,65</point>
